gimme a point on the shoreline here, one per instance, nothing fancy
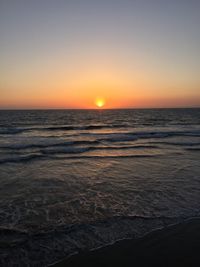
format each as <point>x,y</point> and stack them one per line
<point>175,245</point>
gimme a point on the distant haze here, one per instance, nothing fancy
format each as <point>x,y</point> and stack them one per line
<point>66,54</point>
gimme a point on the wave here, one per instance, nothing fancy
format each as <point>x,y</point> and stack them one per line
<point>52,151</point>
<point>51,156</point>
<point>16,130</point>
<point>51,143</point>
<point>190,144</point>
<point>19,159</point>
<point>130,136</point>
<point>193,148</point>
<point>58,242</point>
<point>73,149</point>
<point>66,150</point>
<point>10,131</point>
<point>109,156</point>
<point>41,144</point>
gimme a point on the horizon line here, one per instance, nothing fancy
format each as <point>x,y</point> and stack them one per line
<point>132,108</point>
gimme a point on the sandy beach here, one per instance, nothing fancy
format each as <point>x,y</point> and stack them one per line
<point>177,245</point>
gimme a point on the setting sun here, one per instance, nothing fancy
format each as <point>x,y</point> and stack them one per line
<point>99,102</point>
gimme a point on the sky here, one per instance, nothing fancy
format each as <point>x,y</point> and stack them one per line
<point>128,53</point>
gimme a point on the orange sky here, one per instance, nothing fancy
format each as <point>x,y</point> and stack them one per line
<point>65,55</point>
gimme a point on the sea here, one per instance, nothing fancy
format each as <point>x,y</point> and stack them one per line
<point>75,180</point>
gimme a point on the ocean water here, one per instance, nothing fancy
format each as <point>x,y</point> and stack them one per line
<point>81,179</point>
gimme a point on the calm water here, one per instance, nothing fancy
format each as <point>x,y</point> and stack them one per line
<point>71,180</point>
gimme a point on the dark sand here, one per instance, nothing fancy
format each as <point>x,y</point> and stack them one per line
<point>177,245</point>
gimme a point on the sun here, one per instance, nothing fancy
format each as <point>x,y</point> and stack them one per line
<point>99,102</point>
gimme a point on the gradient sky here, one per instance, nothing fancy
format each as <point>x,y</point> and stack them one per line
<point>132,53</point>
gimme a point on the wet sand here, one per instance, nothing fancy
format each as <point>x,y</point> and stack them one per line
<point>177,245</point>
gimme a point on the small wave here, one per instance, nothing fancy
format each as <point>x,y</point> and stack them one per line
<point>65,150</point>
<point>49,143</point>
<point>190,144</point>
<point>19,159</point>
<point>75,150</point>
<point>125,147</point>
<point>10,131</point>
<point>13,130</point>
<point>193,148</point>
<point>130,136</point>
<point>82,127</point>
<point>69,146</point>
<point>108,156</point>
<point>49,156</point>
